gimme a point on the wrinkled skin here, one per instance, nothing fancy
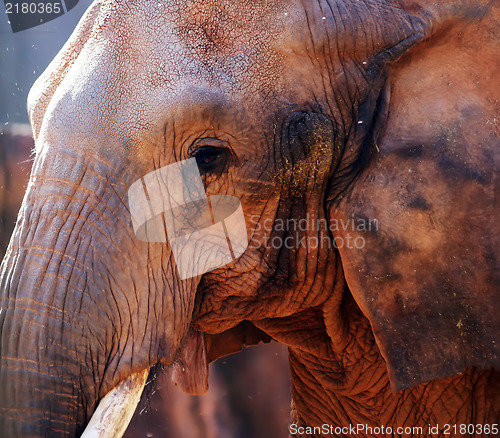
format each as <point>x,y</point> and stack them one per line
<point>318,110</point>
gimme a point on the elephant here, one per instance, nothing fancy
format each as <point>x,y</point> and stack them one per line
<point>358,140</point>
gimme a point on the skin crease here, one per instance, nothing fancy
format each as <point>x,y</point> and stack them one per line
<point>299,100</point>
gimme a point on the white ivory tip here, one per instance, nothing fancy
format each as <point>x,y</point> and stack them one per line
<point>116,409</point>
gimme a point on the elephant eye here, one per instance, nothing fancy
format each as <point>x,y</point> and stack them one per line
<point>211,159</point>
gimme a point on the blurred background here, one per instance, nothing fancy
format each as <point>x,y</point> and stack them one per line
<point>249,395</point>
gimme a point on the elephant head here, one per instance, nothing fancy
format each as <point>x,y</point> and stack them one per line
<point>358,139</point>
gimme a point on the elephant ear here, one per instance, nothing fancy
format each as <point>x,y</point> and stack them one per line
<point>418,230</point>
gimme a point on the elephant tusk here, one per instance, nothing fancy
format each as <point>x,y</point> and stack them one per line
<point>115,410</point>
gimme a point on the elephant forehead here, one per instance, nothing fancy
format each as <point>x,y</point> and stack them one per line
<point>228,45</point>
<point>142,58</point>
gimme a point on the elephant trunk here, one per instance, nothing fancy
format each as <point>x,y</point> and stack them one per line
<point>40,377</point>
<point>83,304</point>
<point>40,373</point>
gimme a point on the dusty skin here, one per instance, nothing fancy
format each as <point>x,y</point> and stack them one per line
<point>299,109</point>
